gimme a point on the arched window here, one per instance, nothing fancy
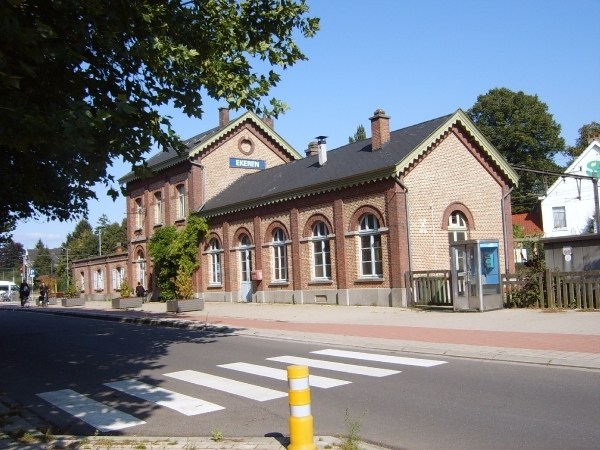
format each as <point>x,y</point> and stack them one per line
<point>141,267</point>
<point>98,280</point>
<point>118,275</point>
<point>321,253</point>
<point>158,208</point>
<point>139,219</point>
<point>457,227</point>
<point>82,281</point>
<point>181,201</point>
<point>279,256</point>
<point>215,262</point>
<point>370,247</point>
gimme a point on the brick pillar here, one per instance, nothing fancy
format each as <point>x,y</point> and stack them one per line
<point>398,238</point>
<point>258,241</point>
<point>296,258</point>
<point>340,244</point>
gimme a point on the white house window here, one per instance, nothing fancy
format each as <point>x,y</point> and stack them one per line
<point>560,217</point>
<point>370,247</point>
<point>118,275</point>
<point>215,262</point>
<point>138,213</point>
<point>158,208</point>
<point>279,256</point>
<point>98,280</point>
<point>457,227</point>
<point>141,267</point>
<point>181,201</point>
<point>321,253</point>
<point>82,281</point>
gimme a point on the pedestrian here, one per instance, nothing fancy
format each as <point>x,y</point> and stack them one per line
<point>139,290</point>
<point>44,294</point>
<point>24,293</point>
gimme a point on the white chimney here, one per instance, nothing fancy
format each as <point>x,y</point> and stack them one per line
<point>322,149</point>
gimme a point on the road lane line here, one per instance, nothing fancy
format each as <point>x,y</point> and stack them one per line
<point>184,404</point>
<point>234,387</point>
<point>339,367</point>
<point>98,415</point>
<point>381,358</point>
<point>280,374</point>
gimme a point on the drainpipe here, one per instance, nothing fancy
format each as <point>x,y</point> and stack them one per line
<point>403,186</point>
<point>203,181</point>
<point>506,267</point>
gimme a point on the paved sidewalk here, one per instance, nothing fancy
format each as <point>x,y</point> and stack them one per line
<point>558,338</point>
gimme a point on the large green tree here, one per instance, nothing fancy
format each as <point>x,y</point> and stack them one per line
<point>360,135</point>
<point>525,133</point>
<point>43,262</point>
<point>586,134</point>
<point>11,254</point>
<point>81,83</point>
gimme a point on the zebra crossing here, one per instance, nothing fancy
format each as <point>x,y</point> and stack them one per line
<point>106,418</point>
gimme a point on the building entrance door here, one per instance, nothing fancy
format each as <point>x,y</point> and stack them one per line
<point>245,269</point>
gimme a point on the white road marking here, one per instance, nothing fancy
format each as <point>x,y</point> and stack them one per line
<point>339,367</point>
<point>100,416</point>
<point>280,374</point>
<point>184,404</point>
<point>234,387</point>
<point>381,358</point>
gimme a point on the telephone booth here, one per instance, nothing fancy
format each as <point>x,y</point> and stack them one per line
<point>476,281</point>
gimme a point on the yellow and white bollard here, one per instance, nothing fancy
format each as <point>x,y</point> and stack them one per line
<point>301,420</point>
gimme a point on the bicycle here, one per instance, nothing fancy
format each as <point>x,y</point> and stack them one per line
<point>25,302</point>
<point>43,301</point>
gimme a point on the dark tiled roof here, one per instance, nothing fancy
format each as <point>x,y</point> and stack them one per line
<point>350,161</point>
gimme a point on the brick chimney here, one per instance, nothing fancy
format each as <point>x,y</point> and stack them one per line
<point>313,149</point>
<point>223,116</point>
<point>380,129</point>
<point>269,122</point>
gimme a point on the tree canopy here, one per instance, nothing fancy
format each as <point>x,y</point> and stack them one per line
<point>11,254</point>
<point>525,133</point>
<point>360,135</point>
<point>586,134</point>
<point>81,84</point>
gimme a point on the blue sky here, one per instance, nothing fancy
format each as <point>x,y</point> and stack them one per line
<point>417,60</point>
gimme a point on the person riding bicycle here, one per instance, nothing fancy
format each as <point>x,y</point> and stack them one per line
<point>44,294</point>
<point>24,293</point>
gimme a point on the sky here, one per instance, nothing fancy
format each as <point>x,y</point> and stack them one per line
<point>417,60</point>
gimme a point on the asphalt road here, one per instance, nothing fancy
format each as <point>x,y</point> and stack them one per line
<point>459,404</point>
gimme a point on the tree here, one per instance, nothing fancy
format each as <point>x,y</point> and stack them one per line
<point>43,261</point>
<point>586,134</point>
<point>360,135</point>
<point>81,84</point>
<point>11,254</point>
<point>525,133</point>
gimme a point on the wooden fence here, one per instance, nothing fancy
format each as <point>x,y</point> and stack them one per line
<point>548,289</point>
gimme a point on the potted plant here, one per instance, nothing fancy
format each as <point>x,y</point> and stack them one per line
<point>72,297</point>
<point>126,300</point>
<point>184,289</point>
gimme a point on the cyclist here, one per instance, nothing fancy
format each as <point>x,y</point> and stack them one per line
<point>24,293</point>
<point>44,294</point>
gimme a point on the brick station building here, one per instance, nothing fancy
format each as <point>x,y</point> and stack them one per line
<point>340,226</point>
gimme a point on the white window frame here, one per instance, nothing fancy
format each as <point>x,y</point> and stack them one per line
<point>370,246</point>
<point>180,201</point>
<point>458,230</point>
<point>321,251</point>
<point>139,223</point>
<point>117,278</point>
<point>82,280</point>
<point>559,217</point>
<point>98,280</point>
<point>141,267</point>
<point>280,272</point>
<point>158,208</point>
<point>215,263</point>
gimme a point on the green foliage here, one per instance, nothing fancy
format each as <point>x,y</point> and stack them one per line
<point>525,133</point>
<point>184,287</point>
<point>217,435</point>
<point>71,291</point>
<point>352,439</point>
<point>173,251</point>
<point>81,84</point>
<point>11,254</point>
<point>43,261</point>
<point>586,134</point>
<point>126,290</point>
<point>360,135</point>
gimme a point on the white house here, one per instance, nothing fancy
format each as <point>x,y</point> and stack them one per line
<point>570,205</point>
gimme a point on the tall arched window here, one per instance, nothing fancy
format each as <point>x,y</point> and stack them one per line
<point>279,256</point>
<point>457,227</point>
<point>158,208</point>
<point>141,267</point>
<point>321,253</point>
<point>370,247</point>
<point>181,201</point>
<point>139,219</point>
<point>215,262</point>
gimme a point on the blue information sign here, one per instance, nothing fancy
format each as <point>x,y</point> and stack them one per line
<point>247,163</point>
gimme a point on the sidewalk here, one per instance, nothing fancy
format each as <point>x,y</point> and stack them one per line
<point>558,338</point>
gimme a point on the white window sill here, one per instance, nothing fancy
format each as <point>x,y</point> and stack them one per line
<point>279,283</point>
<point>215,285</point>
<point>370,280</point>
<point>320,281</point>
<point>180,219</point>
<point>156,225</point>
